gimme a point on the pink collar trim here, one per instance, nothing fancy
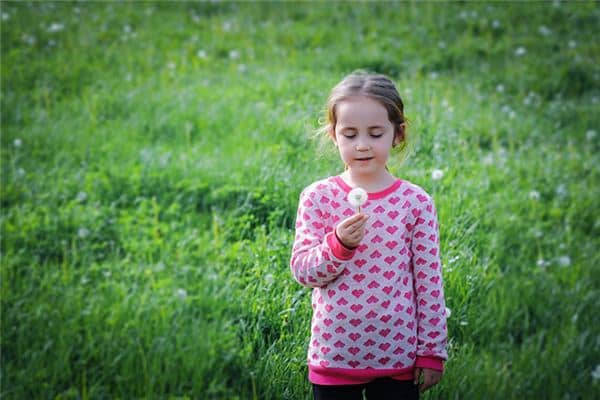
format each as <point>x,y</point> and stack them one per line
<point>372,195</point>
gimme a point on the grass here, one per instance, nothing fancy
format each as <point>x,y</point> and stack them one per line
<point>153,154</point>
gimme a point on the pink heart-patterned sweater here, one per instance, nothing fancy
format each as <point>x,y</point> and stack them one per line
<point>378,309</point>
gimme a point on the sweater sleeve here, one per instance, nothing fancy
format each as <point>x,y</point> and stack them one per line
<point>427,269</point>
<point>317,255</point>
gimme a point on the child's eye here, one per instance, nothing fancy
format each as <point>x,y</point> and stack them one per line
<point>376,135</point>
<point>349,135</point>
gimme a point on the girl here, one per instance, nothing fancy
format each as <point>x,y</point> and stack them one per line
<point>379,319</point>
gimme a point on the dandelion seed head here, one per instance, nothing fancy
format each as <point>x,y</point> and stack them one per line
<point>269,279</point>
<point>534,195</point>
<point>83,232</point>
<point>437,174</point>
<point>17,142</point>
<point>234,55</point>
<point>448,312</point>
<point>181,294</point>
<point>590,134</point>
<point>55,27</point>
<point>564,261</point>
<point>81,197</point>
<point>596,373</point>
<point>520,51</point>
<point>201,53</point>
<point>544,30</point>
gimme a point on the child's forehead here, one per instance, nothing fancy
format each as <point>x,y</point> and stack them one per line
<point>361,110</point>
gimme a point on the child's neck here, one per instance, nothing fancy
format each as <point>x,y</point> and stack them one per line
<point>371,183</point>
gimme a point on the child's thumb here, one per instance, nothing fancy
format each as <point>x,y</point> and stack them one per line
<point>417,375</point>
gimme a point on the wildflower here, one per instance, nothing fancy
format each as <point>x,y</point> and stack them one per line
<point>171,65</point>
<point>83,233</point>
<point>561,190</point>
<point>437,174</point>
<point>226,26</point>
<point>496,24</point>
<point>181,293</point>
<point>542,263</point>
<point>18,142</point>
<point>242,68</point>
<point>564,261</point>
<point>500,88</point>
<point>56,27</point>
<point>448,312</point>
<point>269,279</point>
<point>30,40</point>
<point>201,53</point>
<point>81,197</point>
<point>534,195</point>
<point>464,323</point>
<point>596,373</point>
<point>357,197</point>
<point>5,17</point>
<point>590,134</point>
<point>572,44</point>
<point>520,51</point>
<point>433,75</point>
<point>544,31</point>
<point>20,172</point>
<point>234,54</point>
<point>488,159</point>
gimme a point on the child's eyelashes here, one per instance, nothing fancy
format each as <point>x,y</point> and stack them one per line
<point>373,135</point>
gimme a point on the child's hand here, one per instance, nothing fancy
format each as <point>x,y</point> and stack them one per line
<point>352,230</point>
<point>431,377</point>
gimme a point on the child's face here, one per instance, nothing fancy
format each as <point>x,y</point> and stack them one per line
<point>364,134</point>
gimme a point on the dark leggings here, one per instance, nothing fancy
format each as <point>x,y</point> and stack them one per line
<point>378,389</point>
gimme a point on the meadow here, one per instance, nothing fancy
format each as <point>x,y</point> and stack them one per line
<point>152,155</point>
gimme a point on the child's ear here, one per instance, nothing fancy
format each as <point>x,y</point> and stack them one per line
<point>331,133</point>
<point>399,134</point>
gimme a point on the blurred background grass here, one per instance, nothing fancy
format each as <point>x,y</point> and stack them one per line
<point>153,154</point>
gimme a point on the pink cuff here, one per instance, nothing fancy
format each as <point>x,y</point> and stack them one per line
<point>338,249</point>
<point>430,362</point>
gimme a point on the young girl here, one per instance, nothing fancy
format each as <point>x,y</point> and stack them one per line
<point>379,319</point>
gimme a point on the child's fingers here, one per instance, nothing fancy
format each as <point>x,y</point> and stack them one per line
<point>417,373</point>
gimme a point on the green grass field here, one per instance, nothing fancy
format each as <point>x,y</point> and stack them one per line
<point>153,154</point>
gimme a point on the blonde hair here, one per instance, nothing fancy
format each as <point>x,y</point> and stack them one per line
<point>375,86</point>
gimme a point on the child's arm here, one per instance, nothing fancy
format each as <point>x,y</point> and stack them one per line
<point>427,270</point>
<point>317,254</point>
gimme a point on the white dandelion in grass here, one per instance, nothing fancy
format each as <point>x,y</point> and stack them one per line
<point>357,197</point>
<point>534,195</point>
<point>596,373</point>
<point>83,232</point>
<point>234,55</point>
<point>542,263</point>
<point>17,142</point>
<point>269,279</point>
<point>81,197</point>
<point>201,53</point>
<point>544,30</point>
<point>572,44</point>
<point>448,312</point>
<point>590,135</point>
<point>181,294</point>
<point>437,174</point>
<point>564,261</point>
<point>520,51</point>
<point>55,27</point>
